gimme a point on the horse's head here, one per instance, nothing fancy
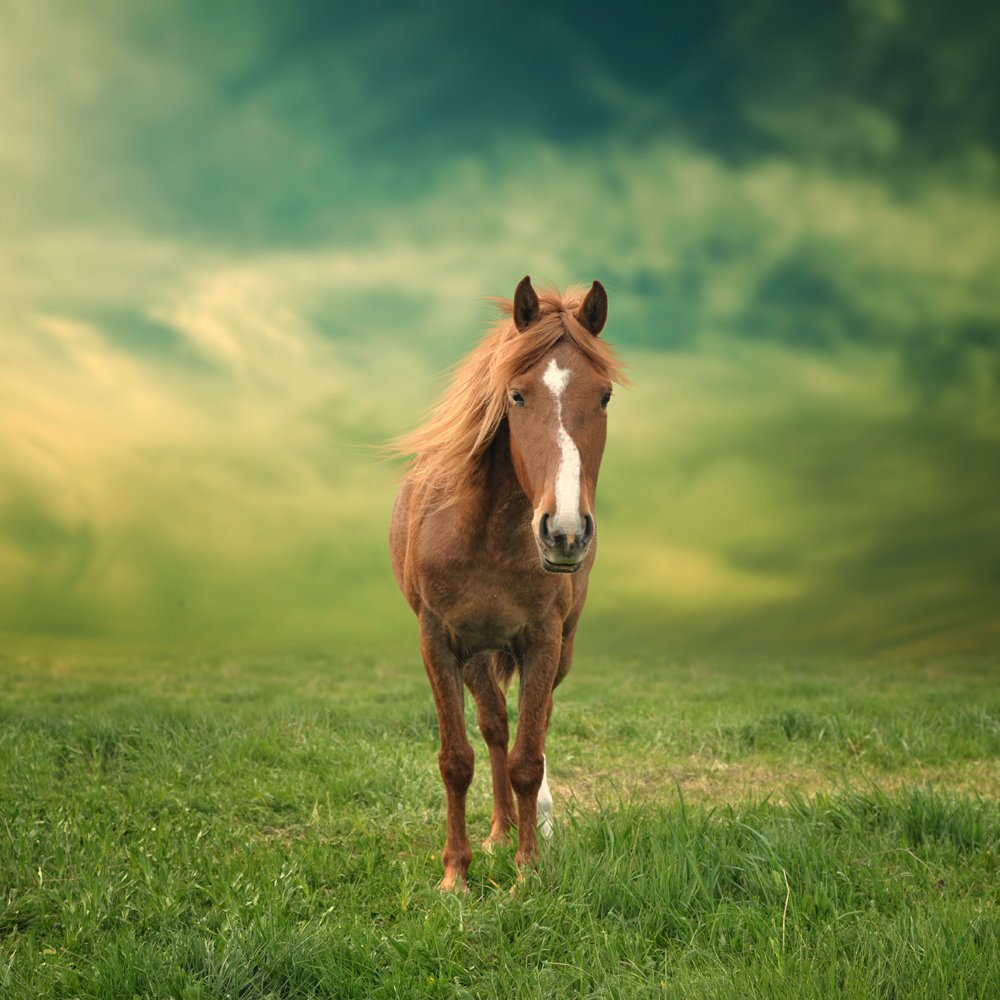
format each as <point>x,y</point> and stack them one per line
<point>557,416</point>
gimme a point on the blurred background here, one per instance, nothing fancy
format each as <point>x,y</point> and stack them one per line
<point>240,242</point>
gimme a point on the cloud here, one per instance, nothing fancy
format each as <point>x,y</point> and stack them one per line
<point>226,279</point>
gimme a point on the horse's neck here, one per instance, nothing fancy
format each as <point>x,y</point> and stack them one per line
<point>496,497</point>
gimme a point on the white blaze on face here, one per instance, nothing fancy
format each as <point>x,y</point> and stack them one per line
<point>567,517</point>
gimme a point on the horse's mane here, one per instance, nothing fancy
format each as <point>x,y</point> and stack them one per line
<point>447,450</point>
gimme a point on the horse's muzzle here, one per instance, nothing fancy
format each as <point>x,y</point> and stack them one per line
<point>560,552</point>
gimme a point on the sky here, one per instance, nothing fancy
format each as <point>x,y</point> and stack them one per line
<point>239,243</point>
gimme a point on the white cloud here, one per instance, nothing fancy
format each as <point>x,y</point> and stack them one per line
<point>258,452</point>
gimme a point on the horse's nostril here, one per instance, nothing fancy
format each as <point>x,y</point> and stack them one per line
<point>543,530</point>
<point>588,530</point>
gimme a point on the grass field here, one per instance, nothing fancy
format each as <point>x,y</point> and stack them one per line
<point>270,827</point>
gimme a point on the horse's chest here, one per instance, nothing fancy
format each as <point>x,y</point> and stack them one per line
<point>488,609</point>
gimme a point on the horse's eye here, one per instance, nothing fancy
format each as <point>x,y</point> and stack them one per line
<point>605,399</point>
<point>516,398</point>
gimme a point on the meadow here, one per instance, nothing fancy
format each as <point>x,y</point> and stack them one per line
<point>195,826</point>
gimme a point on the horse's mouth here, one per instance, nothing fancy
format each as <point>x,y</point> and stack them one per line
<point>557,567</point>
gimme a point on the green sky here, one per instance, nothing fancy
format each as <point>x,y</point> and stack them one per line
<point>238,241</point>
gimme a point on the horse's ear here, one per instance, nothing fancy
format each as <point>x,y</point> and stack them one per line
<point>526,308</point>
<point>593,314</point>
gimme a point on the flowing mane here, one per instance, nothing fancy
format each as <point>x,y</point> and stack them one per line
<point>446,451</point>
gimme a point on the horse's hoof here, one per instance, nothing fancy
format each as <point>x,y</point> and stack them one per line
<point>525,861</point>
<point>453,883</point>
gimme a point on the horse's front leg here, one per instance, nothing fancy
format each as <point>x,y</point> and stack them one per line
<point>544,793</point>
<point>456,758</point>
<point>527,759</point>
<point>491,711</point>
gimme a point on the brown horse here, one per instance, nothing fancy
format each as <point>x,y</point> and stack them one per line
<point>492,540</point>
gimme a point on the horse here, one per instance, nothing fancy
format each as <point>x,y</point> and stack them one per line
<point>492,540</point>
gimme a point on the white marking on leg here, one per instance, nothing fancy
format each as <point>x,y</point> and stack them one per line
<point>545,804</point>
<point>567,516</point>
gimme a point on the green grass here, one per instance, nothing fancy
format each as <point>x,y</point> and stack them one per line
<point>270,827</point>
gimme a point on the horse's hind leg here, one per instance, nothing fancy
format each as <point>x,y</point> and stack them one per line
<point>456,758</point>
<point>483,680</point>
